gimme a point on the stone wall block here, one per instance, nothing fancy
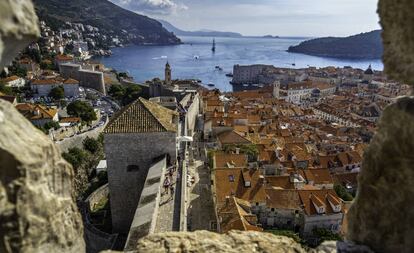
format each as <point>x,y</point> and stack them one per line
<point>382,216</point>
<point>37,206</point>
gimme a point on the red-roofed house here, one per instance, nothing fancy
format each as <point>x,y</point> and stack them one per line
<point>42,87</point>
<point>13,81</point>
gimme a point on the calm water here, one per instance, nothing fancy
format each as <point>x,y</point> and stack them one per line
<point>194,59</point>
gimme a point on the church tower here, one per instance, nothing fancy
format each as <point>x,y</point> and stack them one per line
<point>276,89</point>
<point>167,74</point>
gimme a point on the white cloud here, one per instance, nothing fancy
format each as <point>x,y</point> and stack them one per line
<point>151,6</point>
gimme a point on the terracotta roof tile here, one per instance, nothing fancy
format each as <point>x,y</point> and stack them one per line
<point>225,160</point>
<point>231,137</point>
<point>229,182</point>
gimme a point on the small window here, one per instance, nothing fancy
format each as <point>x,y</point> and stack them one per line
<point>272,209</point>
<point>231,178</point>
<point>132,168</point>
<point>213,226</point>
<point>257,203</point>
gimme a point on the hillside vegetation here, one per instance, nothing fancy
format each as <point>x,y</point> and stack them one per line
<point>108,17</point>
<point>361,46</point>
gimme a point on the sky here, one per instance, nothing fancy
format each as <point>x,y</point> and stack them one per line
<point>312,18</point>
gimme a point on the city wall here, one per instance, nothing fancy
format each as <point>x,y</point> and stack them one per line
<point>77,140</point>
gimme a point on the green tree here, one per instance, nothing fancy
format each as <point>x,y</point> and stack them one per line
<point>75,156</point>
<point>117,91</point>
<point>15,69</point>
<point>3,74</point>
<point>34,54</point>
<point>57,93</point>
<point>52,124</point>
<point>126,94</point>
<point>249,149</point>
<point>131,94</point>
<point>91,145</point>
<point>342,193</point>
<point>83,110</point>
<point>325,235</point>
<point>6,89</point>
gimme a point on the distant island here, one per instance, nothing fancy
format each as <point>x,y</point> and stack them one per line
<point>111,20</point>
<point>361,46</point>
<point>201,33</point>
<point>270,37</point>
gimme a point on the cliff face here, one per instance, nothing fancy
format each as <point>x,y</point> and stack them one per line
<point>108,17</point>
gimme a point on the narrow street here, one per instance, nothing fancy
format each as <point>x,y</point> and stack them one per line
<point>201,208</point>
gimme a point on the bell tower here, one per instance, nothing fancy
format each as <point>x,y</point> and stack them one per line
<point>167,73</point>
<point>276,89</point>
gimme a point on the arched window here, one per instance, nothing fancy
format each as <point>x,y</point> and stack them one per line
<point>132,168</point>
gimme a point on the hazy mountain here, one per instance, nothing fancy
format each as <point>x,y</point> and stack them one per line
<point>361,46</point>
<point>202,33</point>
<point>108,17</point>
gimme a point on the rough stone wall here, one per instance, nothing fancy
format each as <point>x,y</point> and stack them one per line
<point>125,187</point>
<point>18,27</point>
<point>397,20</point>
<point>232,242</point>
<point>382,215</point>
<point>37,208</point>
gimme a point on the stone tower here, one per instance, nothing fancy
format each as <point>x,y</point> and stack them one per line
<point>142,132</point>
<point>167,73</point>
<point>276,89</point>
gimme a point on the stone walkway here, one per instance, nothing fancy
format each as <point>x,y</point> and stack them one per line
<point>201,208</point>
<point>165,219</point>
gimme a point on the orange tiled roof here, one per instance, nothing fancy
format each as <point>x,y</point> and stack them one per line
<point>70,120</point>
<point>230,182</point>
<point>236,215</point>
<point>36,112</point>
<point>283,199</point>
<point>231,137</point>
<point>62,57</point>
<point>225,160</point>
<point>318,176</point>
<point>10,79</point>
<point>310,198</point>
<point>71,81</point>
<point>281,182</point>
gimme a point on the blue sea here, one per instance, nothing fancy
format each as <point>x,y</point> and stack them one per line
<point>195,59</point>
